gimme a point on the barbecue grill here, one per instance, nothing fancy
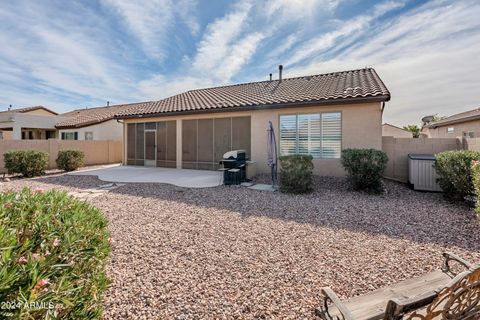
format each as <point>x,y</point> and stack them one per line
<point>234,167</point>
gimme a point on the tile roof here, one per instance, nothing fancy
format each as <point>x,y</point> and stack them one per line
<point>456,118</point>
<point>28,109</point>
<point>90,116</point>
<point>391,125</point>
<point>338,87</point>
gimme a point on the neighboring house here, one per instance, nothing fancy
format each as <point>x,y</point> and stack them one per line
<point>464,124</point>
<point>28,123</point>
<point>318,115</point>
<point>389,130</point>
<point>92,123</point>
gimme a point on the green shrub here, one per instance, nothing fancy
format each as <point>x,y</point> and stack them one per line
<point>296,173</point>
<point>365,168</point>
<point>29,163</point>
<point>454,169</point>
<point>53,250</point>
<point>476,184</point>
<point>70,160</point>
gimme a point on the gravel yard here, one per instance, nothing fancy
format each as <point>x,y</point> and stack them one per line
<point>231,252</point>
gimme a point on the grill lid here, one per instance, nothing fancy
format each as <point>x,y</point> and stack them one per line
<point>234,154</point>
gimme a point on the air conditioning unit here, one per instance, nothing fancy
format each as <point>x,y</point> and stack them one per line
<point>421,172</point>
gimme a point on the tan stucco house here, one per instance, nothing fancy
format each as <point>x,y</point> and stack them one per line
<point>318,115</point>
<point>464,124</point>
<point>92,123</point>
<point>389,130</point>
<point>29,123</point>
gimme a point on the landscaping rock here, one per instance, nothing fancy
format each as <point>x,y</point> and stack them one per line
<point>225,252</point>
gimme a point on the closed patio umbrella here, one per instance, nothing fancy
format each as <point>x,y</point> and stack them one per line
<point>272,152</point>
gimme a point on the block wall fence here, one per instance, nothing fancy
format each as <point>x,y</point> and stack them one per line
<point>96,151</point>
<point>397,150</point>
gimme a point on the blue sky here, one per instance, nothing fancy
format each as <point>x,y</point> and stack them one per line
<point>73,54</point>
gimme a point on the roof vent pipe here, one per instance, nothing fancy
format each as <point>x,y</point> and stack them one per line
<point>270,77</point>
<point>280,69</point>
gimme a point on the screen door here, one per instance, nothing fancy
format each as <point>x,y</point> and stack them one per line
<point>150,148</point>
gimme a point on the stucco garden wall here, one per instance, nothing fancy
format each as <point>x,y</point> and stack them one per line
<point>398,149</point>
<point>96,152</point>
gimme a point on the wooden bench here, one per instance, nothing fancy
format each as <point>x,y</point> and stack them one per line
<point>441,294</point>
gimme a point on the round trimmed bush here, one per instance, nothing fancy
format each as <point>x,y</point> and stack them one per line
<point>296,174</point>
<point>29,163</point>
<point>454,169</point>
<point>365,168</point>
<point>70,160</point>
<point>53,254</point>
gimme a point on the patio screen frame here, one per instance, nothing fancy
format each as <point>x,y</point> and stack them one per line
<point>167,139</point>
<point>205,140</point>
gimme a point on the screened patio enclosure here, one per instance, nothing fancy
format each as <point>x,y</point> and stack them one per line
<point>203,142</point>
<point>152,144</point>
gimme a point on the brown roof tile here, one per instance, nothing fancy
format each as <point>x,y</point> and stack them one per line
<point>28,109</point>
<point>337,87</point>
<point>90,116</point>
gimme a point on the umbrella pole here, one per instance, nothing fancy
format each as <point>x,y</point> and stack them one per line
<point>272,171</point>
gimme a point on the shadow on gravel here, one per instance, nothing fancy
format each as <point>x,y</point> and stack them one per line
<point>399,213</point>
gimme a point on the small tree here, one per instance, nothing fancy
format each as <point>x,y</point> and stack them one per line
<point>414,129</point>
<point>436,117</point>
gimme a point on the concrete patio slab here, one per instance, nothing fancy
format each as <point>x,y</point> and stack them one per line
<point>263,187</point>
<point>136,174</point>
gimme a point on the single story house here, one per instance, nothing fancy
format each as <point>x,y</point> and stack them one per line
<point>318,115</point>
<point>92,123</point>
<point>464,124</point>
<point>29,123</point>
<point>389,130</point>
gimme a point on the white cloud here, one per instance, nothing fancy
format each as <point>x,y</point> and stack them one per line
<point>284,46</point>
<point>215,45</point>
<point>149,21</point>
<point>161,86</point>
<point>186,10</point>
<point>428,59</point>
<point>57,62</point>
<point>347,31</point>
<point>240,54</point>
<point>297,9</point>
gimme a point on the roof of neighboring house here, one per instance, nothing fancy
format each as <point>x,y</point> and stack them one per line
<point>393,126</point>
<point>457,118</point>
<point>86,117</point>
<point>28,109</point>
<point>363,85</point>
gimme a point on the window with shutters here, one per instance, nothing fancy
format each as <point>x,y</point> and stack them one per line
<point>318,134</point>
